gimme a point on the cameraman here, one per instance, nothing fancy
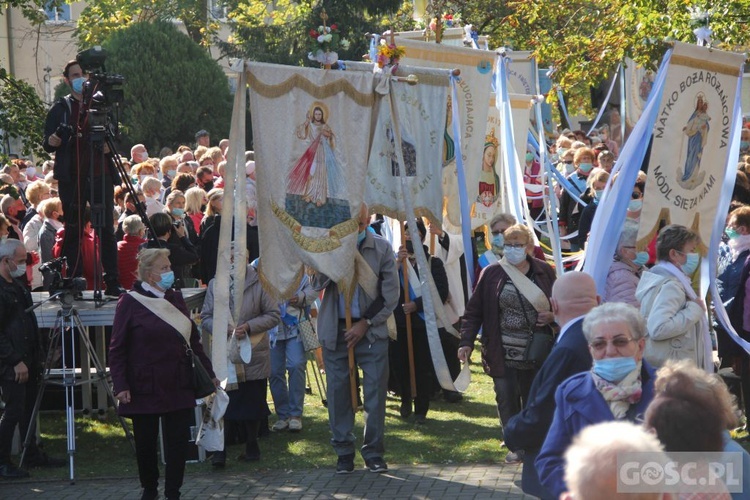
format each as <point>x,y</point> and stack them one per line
<point>66,135</point>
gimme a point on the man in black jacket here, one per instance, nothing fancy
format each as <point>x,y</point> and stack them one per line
<point>66,135</point>
<point>573,296</point>
<point>20,360</point>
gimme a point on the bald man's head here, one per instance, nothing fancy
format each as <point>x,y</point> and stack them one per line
<point>573,294</point>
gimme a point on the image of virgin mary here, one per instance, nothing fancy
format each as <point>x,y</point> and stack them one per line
<point>696,130</point>
<point>316,185</point>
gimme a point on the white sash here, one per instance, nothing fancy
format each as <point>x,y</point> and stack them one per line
<point>167,312</point>
<point>528,288</point>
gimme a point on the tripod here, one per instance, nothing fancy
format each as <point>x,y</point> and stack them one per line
<point>67,326</point>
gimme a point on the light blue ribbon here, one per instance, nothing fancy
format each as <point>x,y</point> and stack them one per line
<point>463,196</point>
<point>720,221</point>
<point>502,101</point>
<point>374,48</point>
<point>610,216</point>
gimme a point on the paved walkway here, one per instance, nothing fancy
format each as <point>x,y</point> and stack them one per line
<point>401,482</point>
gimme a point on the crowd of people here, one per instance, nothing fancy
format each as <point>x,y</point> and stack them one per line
<point>571,370</point>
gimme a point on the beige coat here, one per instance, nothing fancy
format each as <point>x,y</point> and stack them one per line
<point>259,312</point>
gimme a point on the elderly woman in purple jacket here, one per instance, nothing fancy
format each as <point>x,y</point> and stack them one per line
<point>151,372</point>
<point>625,271</point>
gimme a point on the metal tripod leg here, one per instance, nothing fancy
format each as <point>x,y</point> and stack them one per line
<point>69,321</point>
<point>101,374</point>
<point>322,390</point>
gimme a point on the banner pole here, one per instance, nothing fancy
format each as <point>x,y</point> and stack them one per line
<point>352,366</point>
<point>409,335</point>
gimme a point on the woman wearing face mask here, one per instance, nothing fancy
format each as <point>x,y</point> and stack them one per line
<point>532,178</point>
<point>570,210</point>
<point>675,315</point>
<point>625,271</point>
<point>510,301</point>
<point>151,371</point>
<point>619,386</point>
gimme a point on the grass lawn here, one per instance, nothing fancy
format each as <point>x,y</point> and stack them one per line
<point>466,432</point>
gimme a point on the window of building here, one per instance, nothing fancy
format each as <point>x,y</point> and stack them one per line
<point>59,13</point>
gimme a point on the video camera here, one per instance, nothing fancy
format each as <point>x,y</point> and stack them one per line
<point>101,92</point>
<point>68,289</point>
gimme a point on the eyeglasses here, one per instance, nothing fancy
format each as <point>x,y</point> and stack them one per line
<point>495,233</point>
<point>515,245</point>
<point>636,195</point>
<point>600,345</point>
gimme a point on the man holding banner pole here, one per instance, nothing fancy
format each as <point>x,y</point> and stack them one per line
<point>375,296</point>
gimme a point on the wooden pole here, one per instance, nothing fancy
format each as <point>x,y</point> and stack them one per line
<point>352,365</point>
<point>409,335</point>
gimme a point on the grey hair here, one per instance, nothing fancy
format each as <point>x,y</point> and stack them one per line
<point>8,248</point>
<point>628,235</point>
<point>146,259</point>
<point>6,202</point>
<point>591,460</point>
<point>507,218</point>
<point>132,224</point>
<point>612,312</point>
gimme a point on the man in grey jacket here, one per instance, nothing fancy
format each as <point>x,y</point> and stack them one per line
<point>371,306</point>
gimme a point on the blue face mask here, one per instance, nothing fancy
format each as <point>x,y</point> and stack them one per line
<point>498,241</point>
<point>731,233</point>
<point>77,85</point>
<point>529,157</point>
<point>640,258</point>
<point>171,173</point>
<point>635,205</point>
<point>167,280</point>
<point>178,212</point>
<point>614,369</point>
<point>361,237</point>
<point>585,167</point>
<point>598,193</point>
<point>744,145</point>
<point>691,264</point>
<point>514,255</point>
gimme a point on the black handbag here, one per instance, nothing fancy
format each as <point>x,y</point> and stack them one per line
<point>203,385</point>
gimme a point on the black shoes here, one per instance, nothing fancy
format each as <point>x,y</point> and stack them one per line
<point>114,290</point>
<point>452,396</point>
<point>252,453</point>
<point>376,465</point>
<point>405,407</point>
<point>219,459</point>
<point>149,494</point>
<point>10,471</point>
<point>345,464</point>
<point>420,419</point>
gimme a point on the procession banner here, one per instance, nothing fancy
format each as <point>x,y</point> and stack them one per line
<point>311,130</point>
<point>521,77</point>
<point>491,193</point>
<point>691,141</point>
<point>421,110</point>
<point>472,94</point>
<point>638,84</point>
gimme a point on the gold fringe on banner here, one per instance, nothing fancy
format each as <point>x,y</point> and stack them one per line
<point>280,295</point>
<point>315,245</point>
<point>691,62</point>
<point>319,92</point>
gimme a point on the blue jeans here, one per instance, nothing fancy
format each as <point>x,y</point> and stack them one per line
<point>288,355</point>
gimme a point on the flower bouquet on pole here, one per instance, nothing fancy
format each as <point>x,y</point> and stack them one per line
<point>324,41</point>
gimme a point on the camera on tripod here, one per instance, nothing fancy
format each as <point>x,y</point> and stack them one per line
<point>68,289</point>
<point>101,92</point>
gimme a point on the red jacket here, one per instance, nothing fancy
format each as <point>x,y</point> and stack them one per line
<point>86,254</point>
<point>127,261</point>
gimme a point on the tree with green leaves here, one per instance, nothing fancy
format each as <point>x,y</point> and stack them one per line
<point>21,117</point>
<point>172,86</point>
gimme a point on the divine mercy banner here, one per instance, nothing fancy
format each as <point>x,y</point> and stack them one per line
<point>311,131</point>
<point>473,94</point>
<point>638,84</point>
<point>691,141</point>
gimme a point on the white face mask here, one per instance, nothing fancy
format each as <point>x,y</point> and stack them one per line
<point>515,255</point>
<point>20,270</point>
